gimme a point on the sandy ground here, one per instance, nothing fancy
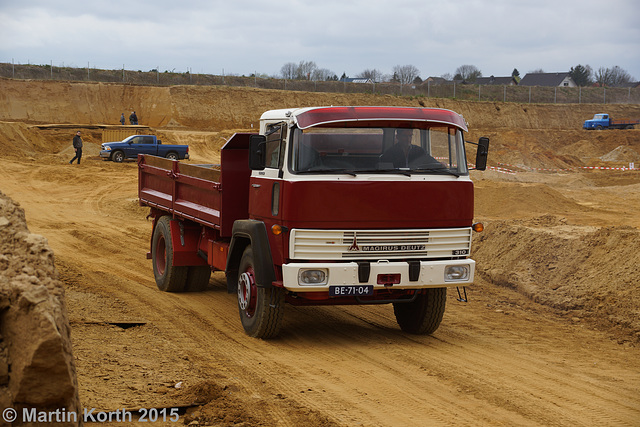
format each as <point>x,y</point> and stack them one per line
<point>550,335</point>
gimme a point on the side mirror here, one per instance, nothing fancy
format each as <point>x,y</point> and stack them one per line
<point>482,153</point>
<point>159,141</point>
<point>257,152</point>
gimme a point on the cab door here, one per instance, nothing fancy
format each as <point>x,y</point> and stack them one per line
<point>265,196</point>
<point>144,144</point>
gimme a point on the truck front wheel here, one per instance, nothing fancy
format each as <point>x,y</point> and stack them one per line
<point>169,278</point>
<point>261,308</point>
<point>422,316</point>
<point>117,156</point>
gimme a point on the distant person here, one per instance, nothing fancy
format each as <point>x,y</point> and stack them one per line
<point>77,145</point>
<point>133,118</point>
<point>122,118</point>
<point>403,154</point>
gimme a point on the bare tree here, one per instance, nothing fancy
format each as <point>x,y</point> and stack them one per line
<point>615,76</point>
<point>321,74</point>
<point>374,75</point>
<point>467,73</point>
<point>289,71</point>
<point>306,69</point>
<point>405,74</point>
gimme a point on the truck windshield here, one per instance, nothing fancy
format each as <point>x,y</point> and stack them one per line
<point>436,150</point>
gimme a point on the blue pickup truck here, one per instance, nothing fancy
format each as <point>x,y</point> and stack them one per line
<point>130,147</point>
<point>604,121</point>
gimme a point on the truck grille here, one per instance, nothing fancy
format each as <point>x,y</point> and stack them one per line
<point>379,244</point>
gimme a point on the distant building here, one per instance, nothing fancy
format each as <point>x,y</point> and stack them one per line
<point>500,81</point>
<point>436,81</point>
<point>548,79</point>
<point>356,80</point>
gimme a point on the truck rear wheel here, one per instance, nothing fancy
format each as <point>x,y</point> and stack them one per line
<point>172,156</point>
<point>261,308</point>
<point>198,278</point>
<point>169,278</point>
<point>422,316</point>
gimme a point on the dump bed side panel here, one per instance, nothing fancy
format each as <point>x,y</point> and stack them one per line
<point>212,195</point>
<point>188,191</point>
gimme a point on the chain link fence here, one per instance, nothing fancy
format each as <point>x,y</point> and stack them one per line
<point>518,94</point>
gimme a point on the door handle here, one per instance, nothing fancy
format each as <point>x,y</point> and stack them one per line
<point>256,185</point>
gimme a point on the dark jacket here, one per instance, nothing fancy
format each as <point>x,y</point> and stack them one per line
<point>77,142</point>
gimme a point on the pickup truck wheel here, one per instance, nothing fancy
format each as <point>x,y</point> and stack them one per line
<point>599,127</point>
<point>260,308</point>
<point>172,156</point>
<point>198,278</point>
<point>117,156</point>
<point>422,316</point>
<point>169,278</point>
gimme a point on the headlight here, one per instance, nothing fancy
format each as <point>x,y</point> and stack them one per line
<point>106,148</point>
<point>456,273</point>
<point>312,277</point>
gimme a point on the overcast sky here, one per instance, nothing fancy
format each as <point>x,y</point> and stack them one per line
<point>246,36</point>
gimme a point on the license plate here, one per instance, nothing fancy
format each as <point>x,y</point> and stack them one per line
<point>351,290</point>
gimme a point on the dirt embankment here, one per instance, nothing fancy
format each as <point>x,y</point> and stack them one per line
<point>37,369</point>
<point>549,337</point>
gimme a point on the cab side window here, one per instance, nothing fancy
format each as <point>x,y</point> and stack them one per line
<point>275,149</point>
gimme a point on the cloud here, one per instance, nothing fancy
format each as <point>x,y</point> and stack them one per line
<point>252,35</point>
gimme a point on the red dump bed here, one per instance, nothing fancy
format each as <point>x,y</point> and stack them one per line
<point>212,195</point>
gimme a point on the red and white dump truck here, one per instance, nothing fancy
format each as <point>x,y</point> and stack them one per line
<point>325,206</point>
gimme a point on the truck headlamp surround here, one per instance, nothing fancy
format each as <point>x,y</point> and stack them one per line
<point>313,276</point>
<point>457,273</point>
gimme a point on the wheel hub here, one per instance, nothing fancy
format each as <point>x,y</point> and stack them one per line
<point>246,293</point>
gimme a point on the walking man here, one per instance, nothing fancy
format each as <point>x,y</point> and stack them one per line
<point>122,119</point>
<point>77,145</point>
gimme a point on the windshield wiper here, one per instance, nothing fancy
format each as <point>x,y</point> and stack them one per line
<point>344,171</point>
<point>405,172</point>
<point>437,170</point>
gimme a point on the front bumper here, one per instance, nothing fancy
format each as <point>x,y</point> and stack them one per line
<point>431,275</point>
<point>105,154</point>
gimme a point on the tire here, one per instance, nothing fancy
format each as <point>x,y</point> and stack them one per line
<point>168,277</point>
<point>198,278</point>
<point>117,156</point>
<point>599,127</point>
<point>422,316</point>
<point>261,308</point>
<point>172,156</point>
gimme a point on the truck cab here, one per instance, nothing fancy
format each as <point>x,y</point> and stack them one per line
<point>365,205</point>
<point>599,121</point>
